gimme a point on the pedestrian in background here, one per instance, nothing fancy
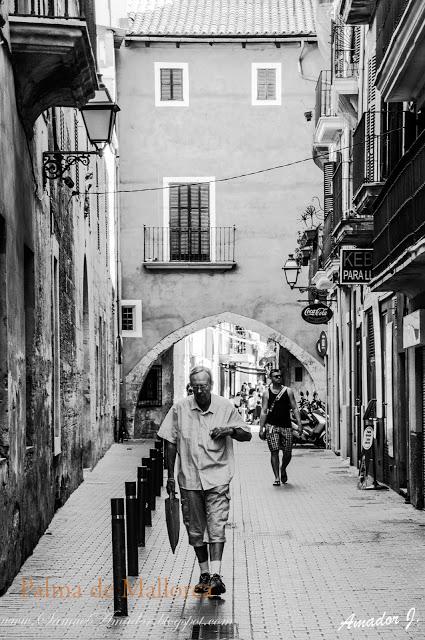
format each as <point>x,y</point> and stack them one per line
<point>276,425</point>
<point>201,429</point>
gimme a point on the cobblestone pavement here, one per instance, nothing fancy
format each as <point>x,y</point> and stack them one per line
<point>300,560</point>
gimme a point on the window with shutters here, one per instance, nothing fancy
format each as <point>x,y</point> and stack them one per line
<point>171,84</point>
<point>189,216</point>
<point>266,83</point>
<point>190,222</point>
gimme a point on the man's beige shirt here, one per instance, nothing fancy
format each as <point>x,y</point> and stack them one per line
<point>204,463</point>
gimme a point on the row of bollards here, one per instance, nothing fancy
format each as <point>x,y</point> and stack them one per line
<point>130,523</point>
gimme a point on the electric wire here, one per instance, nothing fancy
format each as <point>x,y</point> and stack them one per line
<point>247,173</point>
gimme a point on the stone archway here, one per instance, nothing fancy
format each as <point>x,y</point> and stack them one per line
<point>136,376</point>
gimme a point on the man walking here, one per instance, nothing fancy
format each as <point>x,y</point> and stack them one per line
<point>275,422</point>
<point>200,430</point>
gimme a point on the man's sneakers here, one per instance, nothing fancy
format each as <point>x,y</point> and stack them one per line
<point>203,584</point>
<point>216,585</point>
<point>210,585</point>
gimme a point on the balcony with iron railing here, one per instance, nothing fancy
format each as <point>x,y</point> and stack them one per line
<point>189,248</point>
<point>328,123</point>
<point>349,228</point>
<point>400,45</point>
<point>379,141</point>
<point>53,44</point>
<point>345,58</point>
<point>399,226</point>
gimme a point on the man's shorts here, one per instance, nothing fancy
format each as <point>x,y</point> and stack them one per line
<point>205,514</point>
<point>279,438</point>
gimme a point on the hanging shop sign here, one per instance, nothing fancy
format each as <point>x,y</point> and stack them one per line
<point>322,344</point>
<point>317,313</point>
<point>367,438</point>
<point>356,266</point>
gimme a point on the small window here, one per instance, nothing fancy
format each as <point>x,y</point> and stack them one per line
<point>131,318</point>
<point>127,318</point>
<point>298,374</point>
<point>171,84</point>
<point>266,84</point>
<point>151,392</point>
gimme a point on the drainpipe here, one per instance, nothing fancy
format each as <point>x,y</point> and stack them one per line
<point>300,66</point>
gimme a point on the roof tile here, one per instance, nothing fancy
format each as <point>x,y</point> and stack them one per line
<point>220,17</point>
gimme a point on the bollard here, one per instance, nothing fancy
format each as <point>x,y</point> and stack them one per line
<point>118,557</point>
<point>148,462</point>
<point>131,513</point>
<point>156,470</point>
<point>159,447</point>
<point>147,485</point>
<point>143,516</point>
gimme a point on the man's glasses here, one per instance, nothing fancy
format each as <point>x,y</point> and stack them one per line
<point>276,375</point>
<point>201,387</point>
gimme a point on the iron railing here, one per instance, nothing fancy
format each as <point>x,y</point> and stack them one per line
<point>323,96</point>
<point>189,244</point>
<point>388,16</point>
<point>379,142</point>
<point>345,51</point>
<point>48,8</point>
<point>399,211</point>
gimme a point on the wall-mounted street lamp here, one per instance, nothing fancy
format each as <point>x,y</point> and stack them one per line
<point>99,116</point>
<point>292,269</point>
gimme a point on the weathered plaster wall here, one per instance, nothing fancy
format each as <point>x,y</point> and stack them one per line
<point>220,134</point>
<point>34,481</point>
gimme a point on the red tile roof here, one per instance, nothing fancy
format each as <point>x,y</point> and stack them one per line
<point>221,18</point>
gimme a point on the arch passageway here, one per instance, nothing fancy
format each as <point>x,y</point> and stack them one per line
<point>136,376</point>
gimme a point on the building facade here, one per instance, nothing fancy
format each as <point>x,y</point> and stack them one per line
<point>57,292</point>
<point>369,143</point>
<point>202,242</point>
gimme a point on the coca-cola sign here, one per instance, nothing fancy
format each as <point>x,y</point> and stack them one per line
<point>317,313</point>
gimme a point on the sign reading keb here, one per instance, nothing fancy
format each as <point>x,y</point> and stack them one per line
<point>356,266</point>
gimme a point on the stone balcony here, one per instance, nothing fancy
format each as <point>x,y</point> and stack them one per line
<point>52,56</point>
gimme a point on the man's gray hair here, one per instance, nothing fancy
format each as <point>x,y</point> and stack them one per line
<point>200,369</point>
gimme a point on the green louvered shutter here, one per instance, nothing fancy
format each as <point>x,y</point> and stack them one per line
<point>189,222</point>
<point>171,84</point>
<point>266,84</point>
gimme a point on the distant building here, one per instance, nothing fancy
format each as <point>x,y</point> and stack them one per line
<point>213,91</point>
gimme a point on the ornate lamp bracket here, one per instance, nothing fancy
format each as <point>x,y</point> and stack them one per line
<point>57,163</point>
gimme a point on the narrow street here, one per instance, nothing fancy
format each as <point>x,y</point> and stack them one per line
<point>300,560</point>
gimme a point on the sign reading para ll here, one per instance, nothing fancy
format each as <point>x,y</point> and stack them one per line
<point>356,266</point>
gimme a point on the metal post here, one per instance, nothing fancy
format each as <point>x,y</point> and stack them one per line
<point>148,462</point>
<point>118,557</point>
<point>154,454</point>
<point>131,522</point>
<point>143,516</point>
<point>159,447</point>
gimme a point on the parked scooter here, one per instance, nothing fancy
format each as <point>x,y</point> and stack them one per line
<point>313,420</point>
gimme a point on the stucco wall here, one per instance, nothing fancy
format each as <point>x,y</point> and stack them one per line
<point>220,134</point>
<point>45,218</point>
